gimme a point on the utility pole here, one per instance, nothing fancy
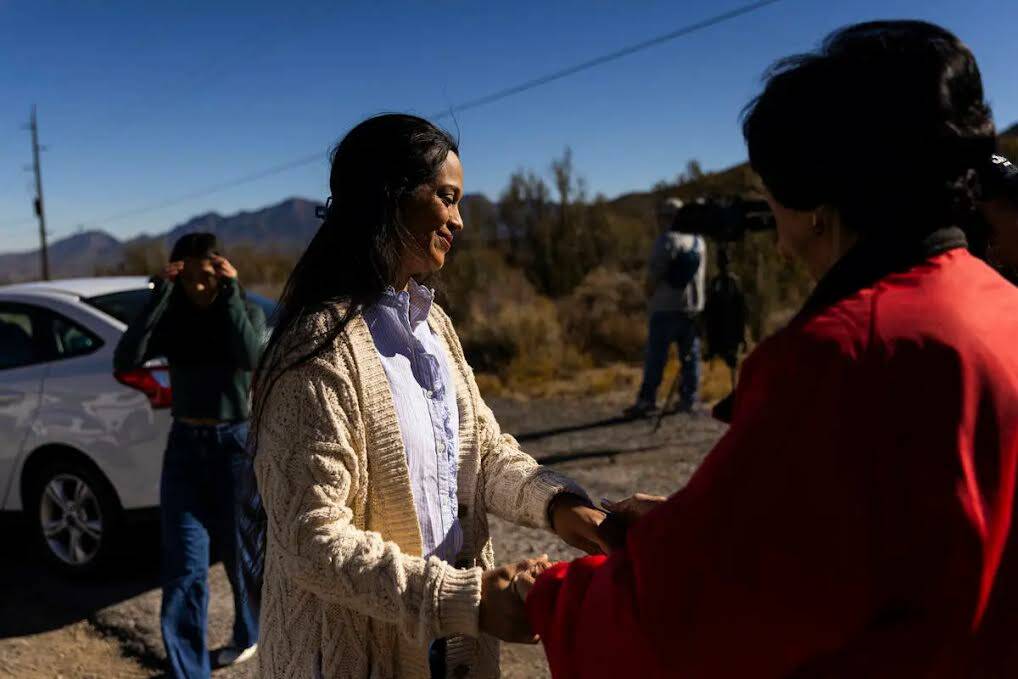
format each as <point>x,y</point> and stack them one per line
<point>39,208</point>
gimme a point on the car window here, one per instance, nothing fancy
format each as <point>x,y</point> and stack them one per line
<point>18,344</point>
<point>70,339</point>
<point>123,306</point>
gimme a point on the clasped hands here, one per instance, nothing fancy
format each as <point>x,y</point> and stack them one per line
<point>504,590</point>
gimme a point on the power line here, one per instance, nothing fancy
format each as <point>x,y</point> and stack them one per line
<point>471,104</point>
<point>604,59</point>
<point>254,176</point>
<point>195,77</point>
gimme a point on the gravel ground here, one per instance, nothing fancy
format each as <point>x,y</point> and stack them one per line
<point>618,460</point>
<point>54,627</point>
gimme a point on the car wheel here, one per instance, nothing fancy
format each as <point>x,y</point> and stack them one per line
<point>76,516</point>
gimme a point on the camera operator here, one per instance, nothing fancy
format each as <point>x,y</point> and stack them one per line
<point>676,293</point>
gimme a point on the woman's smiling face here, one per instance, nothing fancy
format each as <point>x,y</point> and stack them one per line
<point>432,219</point>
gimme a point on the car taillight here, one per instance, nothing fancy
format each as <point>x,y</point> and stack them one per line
<point>153,382</point>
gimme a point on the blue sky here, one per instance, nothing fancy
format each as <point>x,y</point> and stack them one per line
<point>141,102</point>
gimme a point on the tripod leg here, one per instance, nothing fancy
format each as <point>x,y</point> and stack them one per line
<point>669,399</point>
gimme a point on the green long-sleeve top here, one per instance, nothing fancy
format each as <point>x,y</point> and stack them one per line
<point>212,352</point>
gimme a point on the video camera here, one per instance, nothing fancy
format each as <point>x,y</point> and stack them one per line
<point>725,218</point>
<point>1000,179</point>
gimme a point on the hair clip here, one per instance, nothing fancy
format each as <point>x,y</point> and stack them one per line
<point>322,211</point>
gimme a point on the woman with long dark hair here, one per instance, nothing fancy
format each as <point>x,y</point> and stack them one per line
<point>376,458</point>
<point>856,518</point>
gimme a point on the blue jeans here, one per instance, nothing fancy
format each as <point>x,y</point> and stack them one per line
<point>667,327</point>
<point>198,506</point>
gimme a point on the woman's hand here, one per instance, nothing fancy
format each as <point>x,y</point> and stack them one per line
<point>634,507</point>
<point>623,514</point>
<point>576,522</point>
<point>524,580</point>
<point>223,267</point>
<point>171,271</point>
<point>502,614</point>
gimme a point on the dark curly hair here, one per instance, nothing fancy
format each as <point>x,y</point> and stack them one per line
<point>198,244</point>
<point>355,254</point>
<point>886,122</point>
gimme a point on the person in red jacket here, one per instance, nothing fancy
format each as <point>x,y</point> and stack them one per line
<point>855,519</point>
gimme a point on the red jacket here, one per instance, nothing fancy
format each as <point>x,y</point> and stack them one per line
<point>854,521</point>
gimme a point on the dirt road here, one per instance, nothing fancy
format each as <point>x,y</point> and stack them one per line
<point>108,627</point>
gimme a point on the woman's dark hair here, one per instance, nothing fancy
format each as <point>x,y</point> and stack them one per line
<point>355,253</point>
<point>201,245</point>
<point>886,122</point>
<point>352,259</point>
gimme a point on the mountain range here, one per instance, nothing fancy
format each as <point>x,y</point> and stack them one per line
<point>287,226</point>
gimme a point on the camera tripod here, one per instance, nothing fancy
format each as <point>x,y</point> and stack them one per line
<point>673,391</point>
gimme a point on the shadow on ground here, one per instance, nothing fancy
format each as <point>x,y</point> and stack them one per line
<point>35,597</point>
<point>611,456</point>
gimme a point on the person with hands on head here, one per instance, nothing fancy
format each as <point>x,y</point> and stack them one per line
<point>377,458</point>
<point>857,517</point>
<point>199,319</point>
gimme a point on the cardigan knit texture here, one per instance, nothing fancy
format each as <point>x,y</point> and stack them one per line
<point>347,592</point>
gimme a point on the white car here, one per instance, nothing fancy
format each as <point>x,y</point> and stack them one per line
<point>81,448</point>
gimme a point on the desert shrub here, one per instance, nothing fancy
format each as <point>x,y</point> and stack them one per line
<point>772,284</point>
<point>264,268</point>
<point>715,380</point>
<point>141,257</point>
<point>605,316</point>
<point>505,326</point>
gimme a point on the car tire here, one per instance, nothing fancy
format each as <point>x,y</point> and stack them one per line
<point>75,516</point>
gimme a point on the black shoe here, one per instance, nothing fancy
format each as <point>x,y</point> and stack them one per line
<point>689,409</point>
<point>640,409</point>
<point>682,408</point>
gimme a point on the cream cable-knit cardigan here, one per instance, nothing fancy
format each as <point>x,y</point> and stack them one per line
<point>346,589</point>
